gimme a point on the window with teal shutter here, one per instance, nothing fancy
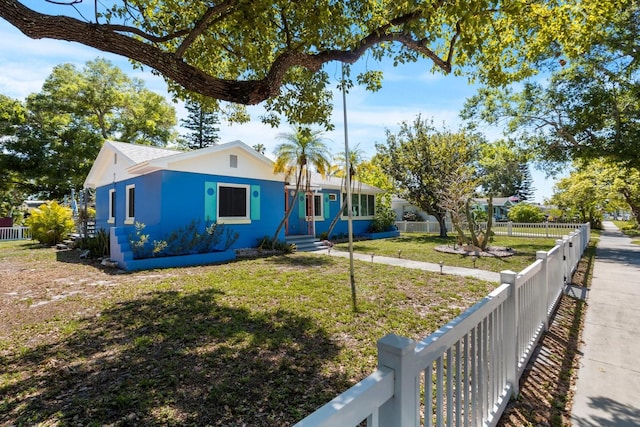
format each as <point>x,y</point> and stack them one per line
<point>210,199</point>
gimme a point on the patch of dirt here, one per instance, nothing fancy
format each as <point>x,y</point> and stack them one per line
<point>491,251</point>
<point>28,288</point>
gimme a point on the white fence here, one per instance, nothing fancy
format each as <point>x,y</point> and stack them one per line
<point>15,233</point>
<point>465,373</point>
<point>511,229</point>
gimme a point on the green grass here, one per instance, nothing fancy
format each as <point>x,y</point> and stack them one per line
<point>420,247</point>
<point>629,228</point>
<point>256,342</point>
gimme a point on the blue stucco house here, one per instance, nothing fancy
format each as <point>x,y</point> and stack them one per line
<point>230,184</point>
<point>319,203</point>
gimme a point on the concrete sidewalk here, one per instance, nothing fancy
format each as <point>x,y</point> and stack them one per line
<point>426,266</point>
<point>608,386</point>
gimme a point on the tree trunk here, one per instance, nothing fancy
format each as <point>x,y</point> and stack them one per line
<point>472,223</point>
<point>487,232</point>
<point>442,222</point>
<point>462,238</point>
<point>335,219</point>
<point>289,209</point>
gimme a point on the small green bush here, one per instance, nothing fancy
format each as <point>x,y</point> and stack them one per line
<point>266,243</point>
<point>186,240</point>
<point>98,245</point>
<point>51,223</point>
<point>384,220</point>
<point>526,213</point>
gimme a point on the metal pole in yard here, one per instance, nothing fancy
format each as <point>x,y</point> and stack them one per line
<point>349,204</point>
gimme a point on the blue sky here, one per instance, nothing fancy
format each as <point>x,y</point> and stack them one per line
<point>407,91</point>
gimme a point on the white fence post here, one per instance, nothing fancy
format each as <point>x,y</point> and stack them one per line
<point>512,351</point>
<point>545,277</point>
<point>563,254</point>
<point>395,352</point>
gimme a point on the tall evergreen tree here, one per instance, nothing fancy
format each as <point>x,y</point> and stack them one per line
<point>525,188</point>
<point>201,121</point>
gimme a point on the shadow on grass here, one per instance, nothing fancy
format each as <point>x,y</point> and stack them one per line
<point>300,260</point>
<point>72,256</point>
<point>174,358</point>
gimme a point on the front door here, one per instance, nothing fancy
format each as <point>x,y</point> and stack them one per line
<point>299,221</point>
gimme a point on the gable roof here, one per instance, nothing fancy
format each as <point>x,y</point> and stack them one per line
<point>141,153</point>
<point>119,161</point>
<point>166,162</point>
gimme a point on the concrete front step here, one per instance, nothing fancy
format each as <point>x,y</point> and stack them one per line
<point>306,243</point>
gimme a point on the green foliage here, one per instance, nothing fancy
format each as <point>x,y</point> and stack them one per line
<point>479,214</point>
<point>187,240</point>
<point>250,52</point>
<point>526,213</point>
<point>427,165</point>
<point>588,109</point>
<point>302,152</point>
<point>50,223</point>
<point>384,220</point>
<point>11,201</point>
<point>98,245</point>
<point>267,243</point>
<point>202,123</point>
<point>583,195</point>
<point>503,170</point>
<point>57,133</point>
<point>190,240</point>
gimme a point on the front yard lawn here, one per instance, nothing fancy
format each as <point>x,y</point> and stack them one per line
<point>259,342</point>
<point>420,247</point>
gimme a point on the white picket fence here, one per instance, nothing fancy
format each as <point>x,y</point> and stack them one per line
<point>465,373</point>
<point>15,233</point>
<point>511,229</point>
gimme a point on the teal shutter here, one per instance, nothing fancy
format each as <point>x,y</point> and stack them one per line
<point>326,207</point>
<point>302,206</point>
<point>210,201</point>
<point>255,202</point>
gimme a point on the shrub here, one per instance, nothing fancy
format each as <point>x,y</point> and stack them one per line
<point>186,240</point>
<point>278,245</point>
<point>50,223</point>
<point>98,245</point>
<point>384,220</point>
<point>525,213</point>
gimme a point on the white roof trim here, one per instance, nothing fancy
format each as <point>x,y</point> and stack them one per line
<point>164,162</point>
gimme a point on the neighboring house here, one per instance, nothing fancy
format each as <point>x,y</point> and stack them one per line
<point>501,206</point>
<point>231,184</point>
<point>401,207</point>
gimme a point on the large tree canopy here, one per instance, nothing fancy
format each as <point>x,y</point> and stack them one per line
<point>423,161</point>
<point>247,52</point>
<point>587,110</point>
<point>49,142</point>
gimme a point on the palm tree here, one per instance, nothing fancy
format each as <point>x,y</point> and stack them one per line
<point>301,150</point>
<point>260,148</point>
<point>356,157</point>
